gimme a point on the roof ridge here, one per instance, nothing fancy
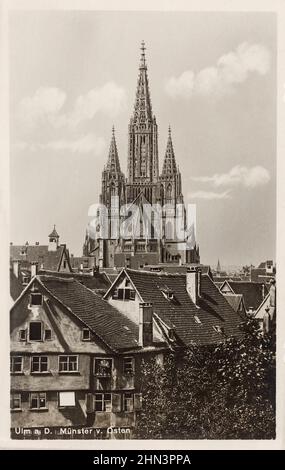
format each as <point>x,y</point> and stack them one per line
<point>142,271</point>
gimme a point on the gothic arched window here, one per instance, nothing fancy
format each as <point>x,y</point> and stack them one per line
<point>169,192</point>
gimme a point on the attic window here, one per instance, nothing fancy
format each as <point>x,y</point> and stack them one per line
<point>86,336</point>
<point>22,335</point>
<point>197,320</point>
<point>219,329</point>
<point>35,331</point>
<point>36,299</point>
<point>47,335</point>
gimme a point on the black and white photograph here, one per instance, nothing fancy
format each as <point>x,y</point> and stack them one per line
<point>142,224</point>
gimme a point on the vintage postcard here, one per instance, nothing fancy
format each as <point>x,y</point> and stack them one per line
<point>140,211</point>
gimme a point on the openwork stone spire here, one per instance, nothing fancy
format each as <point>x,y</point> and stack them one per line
<point>142,111</point>
<point>113,163</point>
<point>169,164</point>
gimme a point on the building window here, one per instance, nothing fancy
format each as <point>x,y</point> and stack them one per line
<point>16,364</point>
<point>39,364</point>
<point>26,280</point>
<point>36,299</point>
<point>64,264</point>
<point>66,399</point>
<point>68,363</point>
<point>22,335</point>
<point>86,336</point>
<point>103,367</point>
<point>115,294</point>
<point>132,294</point>
<point>128,402</point>
<point>128,365</point>
<point>15,401</point>
<point>103,402</point>
<point>38,401</point>
<point>47,335</point>
<point>35,331</point>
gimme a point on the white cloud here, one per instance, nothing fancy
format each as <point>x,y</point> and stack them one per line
<point>47,103</point>
<point>229,70</point>
<point>86,144</point>
<point>110,99</point>
<point>209,195</point>
<point>238,175</point>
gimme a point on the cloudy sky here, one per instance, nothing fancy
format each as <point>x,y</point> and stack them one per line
<point>212,77</point>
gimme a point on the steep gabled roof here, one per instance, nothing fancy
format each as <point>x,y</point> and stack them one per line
<point>28,254</point>
<point>179,313</point>
<point>117,331</point>
<point>253,292</point>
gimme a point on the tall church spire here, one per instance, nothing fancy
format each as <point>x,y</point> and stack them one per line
<point>142,111</point>
<point>169,164</point>
<point>143,148</point>
<point>113,163</point>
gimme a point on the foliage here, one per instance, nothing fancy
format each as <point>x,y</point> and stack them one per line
<point>225,391</point>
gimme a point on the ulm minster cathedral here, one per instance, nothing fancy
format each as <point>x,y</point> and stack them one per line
<point>144,187</point>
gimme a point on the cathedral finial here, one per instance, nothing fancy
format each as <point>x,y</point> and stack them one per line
<point>169,130</point>
<point>143,48</point>
<point>113,131</point>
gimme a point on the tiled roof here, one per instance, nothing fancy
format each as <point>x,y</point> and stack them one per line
<point>253,292</point>
<point>117,331</point>
<point>16,286</point>
<point>260,275</point>
<point>38,253</point>
<point>96,281</point>
<point>179,313</point>
<point>234,300</point>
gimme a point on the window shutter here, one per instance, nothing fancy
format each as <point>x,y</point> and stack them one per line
<point>137,401</point>
<point>89,403</point>
<point>116,402</point>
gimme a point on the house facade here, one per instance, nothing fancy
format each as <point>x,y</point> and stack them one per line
<point>76,360</point>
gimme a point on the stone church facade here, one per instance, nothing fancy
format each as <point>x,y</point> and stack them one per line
<point>127,203</point>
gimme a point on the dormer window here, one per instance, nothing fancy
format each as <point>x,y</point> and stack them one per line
<point>168,293</point>
<point>86,334</point>
<point>197,320</point>
<point>25,280</point>
<point>36,299</point>
<point>218,329</point>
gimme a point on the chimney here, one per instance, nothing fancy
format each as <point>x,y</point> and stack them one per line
<point>16,267</point>
<point>193,283</point>
<point>145,324</point>
<point>263,291</point>
<point>34,269</point>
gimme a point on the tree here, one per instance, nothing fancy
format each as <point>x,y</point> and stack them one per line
<point>224,391</point>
